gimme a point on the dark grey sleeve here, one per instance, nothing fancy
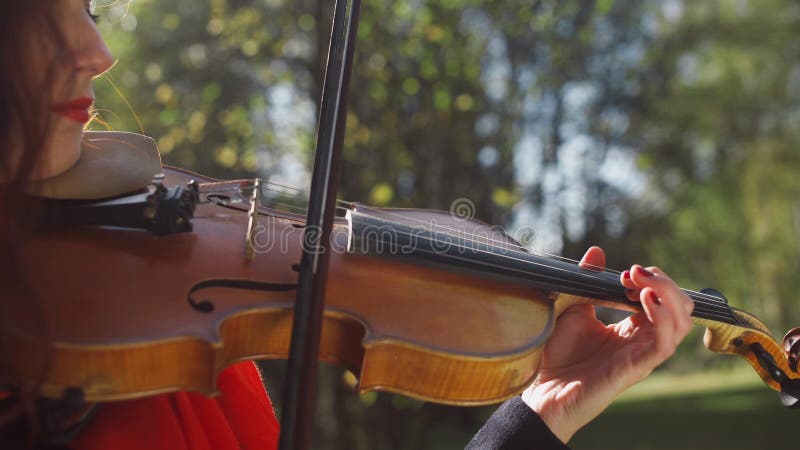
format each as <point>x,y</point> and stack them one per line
<point>514,426</point>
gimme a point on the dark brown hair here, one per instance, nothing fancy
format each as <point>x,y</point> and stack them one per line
<point>29,29</point>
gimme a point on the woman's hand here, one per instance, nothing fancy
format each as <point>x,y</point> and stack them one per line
<point>587,364</point>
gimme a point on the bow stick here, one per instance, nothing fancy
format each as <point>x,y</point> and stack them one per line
<point>300,388</point>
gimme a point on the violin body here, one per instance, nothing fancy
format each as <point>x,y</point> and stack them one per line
<point>126,321</point>
<point>457,313</point>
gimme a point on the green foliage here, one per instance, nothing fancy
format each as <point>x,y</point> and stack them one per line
<point>198,75</point>
<point>719,129</point>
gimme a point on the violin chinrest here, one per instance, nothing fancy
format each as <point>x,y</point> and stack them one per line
<point>112,163</point>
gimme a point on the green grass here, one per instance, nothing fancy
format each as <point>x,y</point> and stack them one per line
<point>708,411</point>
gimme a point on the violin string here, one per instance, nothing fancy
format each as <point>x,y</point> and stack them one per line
<point>714,305</point>
<point>444,227</point>
<point>698,297</point>
<point>697,294</point>
<point>703,310</point>
<point>349,205</point>
<point>250,183</point>
<point>298,191</point>
<point>292,208</point>
<point>481,239</point>
<point>239,187</point>
<point>206,184</point>
<point>589,277</point>
<point>704,296</point>
<point>486,239</point>
<point>289,207</point>
<point>245,198</point>
<point>239,190</point>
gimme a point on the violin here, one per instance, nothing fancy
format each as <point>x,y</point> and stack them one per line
<point>159,290</point>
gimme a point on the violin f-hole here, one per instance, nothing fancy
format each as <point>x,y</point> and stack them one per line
<point>207,306</point>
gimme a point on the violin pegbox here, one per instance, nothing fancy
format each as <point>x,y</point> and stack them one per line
<point>791,345</point>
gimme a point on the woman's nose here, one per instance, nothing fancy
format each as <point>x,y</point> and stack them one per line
<point>92,56</point>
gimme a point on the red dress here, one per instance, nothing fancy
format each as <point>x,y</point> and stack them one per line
<point>240,418</point>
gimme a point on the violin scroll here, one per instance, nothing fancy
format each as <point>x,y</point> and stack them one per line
<point>749,338</point>
<point>791,345</point>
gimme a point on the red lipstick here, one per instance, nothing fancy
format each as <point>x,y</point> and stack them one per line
<point>76,110</point>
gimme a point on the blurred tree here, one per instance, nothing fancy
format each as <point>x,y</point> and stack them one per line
<point>209,79</point>
<point>716,120</point>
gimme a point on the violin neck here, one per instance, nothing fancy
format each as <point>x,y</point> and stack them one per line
<point>500,260</point>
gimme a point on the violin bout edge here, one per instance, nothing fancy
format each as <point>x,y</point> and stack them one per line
<point>439,378</point>
<point>185,363</point>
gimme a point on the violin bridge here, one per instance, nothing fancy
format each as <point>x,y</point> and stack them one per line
<point>252,221</point>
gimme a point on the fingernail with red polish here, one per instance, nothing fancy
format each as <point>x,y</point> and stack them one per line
<point>653,297</point>
<point>626,275</point>
<point>642,271</point>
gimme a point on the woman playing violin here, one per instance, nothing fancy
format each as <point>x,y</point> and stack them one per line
<point>51,52</point>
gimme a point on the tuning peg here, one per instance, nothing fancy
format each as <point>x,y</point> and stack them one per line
<point>791,345</point>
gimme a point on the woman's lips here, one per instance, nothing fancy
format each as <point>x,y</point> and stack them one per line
<point>76,110</point>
